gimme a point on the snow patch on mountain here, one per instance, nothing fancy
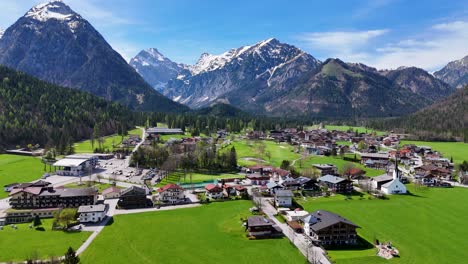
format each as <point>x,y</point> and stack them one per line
<point>1,33</point>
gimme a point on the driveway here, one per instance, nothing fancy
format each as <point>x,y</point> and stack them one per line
<point>315,255</point>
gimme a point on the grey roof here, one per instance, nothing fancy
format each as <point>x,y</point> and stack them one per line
<point>324,166</point>
<point>382,178</point>
<point>284,193</point>
<point>259,221</point>
<point>71,192</point>
<point>92,208</point>
<point>303,180</point>
<point>136,189</point>
<point>375,155</point>
<point>331,179</point>
<point>326,219</point>
<point>272,185</point>
<point>310,219</point>
<point>157,130</point>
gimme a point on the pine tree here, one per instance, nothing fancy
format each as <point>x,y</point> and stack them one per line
<point>71,257</point>
<point>37,221</point>
<point>233,158</point>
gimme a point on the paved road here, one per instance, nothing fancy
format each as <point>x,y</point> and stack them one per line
<point>315,255</point>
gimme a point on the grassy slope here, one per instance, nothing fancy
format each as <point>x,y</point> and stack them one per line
<point>85,146</point>
<point>457,150</point>
<point>178,177</point>
<point>208,234</point>
<point>15,168</point>
<point>307,163</point>
<point>279,152</point>
<point>99,186</point>
<point>427,228</point>
<point>24,242</point>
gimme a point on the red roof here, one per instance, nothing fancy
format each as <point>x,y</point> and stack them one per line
<point>32,190</point>
<point>354,171</point>
<point>239,188</point>
<point>213,188</point>
<point>170,186</point>
<point>281,172</point>
<point>111,189</point>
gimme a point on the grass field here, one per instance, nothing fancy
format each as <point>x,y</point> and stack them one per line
<point>15,168</point>
<point>210,234</point>
<point>338,162</point>
<point>99,186</point>
<point>179,177</point>
<point>86,147</point>
<point>427,227</point>
<point>359,129</point>
<point>24,242</point>
<point>457,150</point>
<point>279,152</point>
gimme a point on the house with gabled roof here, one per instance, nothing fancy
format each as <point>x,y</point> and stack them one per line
<point>171,194</point>
<point>336,184</point>
<point>326,228</point>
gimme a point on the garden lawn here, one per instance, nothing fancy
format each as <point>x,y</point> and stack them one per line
<point>86,147</point>
<point>178,177</point>
<point>23,243</point>
<point>427,227</point>
<point>359,129</point>
<point>279,152</point>
<point>338,162</point>
<point>457,150</point>
<point>14,168</point>
<point>210,234</point>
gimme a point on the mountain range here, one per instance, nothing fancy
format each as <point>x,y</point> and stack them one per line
<point>55,44</point>
<point>275,78</point>
<point>455,73</point>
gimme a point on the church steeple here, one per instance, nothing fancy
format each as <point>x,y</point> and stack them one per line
<point>395,171</point>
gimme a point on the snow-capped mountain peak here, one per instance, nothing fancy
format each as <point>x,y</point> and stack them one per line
<point>156,54</point>
<point>1,33</point>
<point>55,9</point>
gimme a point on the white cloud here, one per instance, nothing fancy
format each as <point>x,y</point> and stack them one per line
<point>438,45</point>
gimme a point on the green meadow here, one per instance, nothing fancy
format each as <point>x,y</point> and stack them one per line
<point>338,162</point>
<point>209,234</point>
<point>14,168</point>
<point>246,149</point>
<point>24,242</point>
<point>109,142</point>
<point>427,227</point>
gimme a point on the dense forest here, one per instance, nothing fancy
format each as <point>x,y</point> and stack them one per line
<point>36,112</point>
<point>444,120</point>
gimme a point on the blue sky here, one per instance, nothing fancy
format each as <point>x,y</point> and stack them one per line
<point>380,33</point>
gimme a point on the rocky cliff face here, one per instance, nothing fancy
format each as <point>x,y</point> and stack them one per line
<point>455,73</point>
<point>156,69</point>
<point>419,82</point>
<point>55,44</point>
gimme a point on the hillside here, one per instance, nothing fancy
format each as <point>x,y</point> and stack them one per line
<point>455,73</point>
<point>36,112</point>
<point>443,120</point>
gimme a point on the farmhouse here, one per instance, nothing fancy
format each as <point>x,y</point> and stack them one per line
<point>375,160</point>
<point>337,184</point>
<point>283,198</point>
<point>273,187</point>
<point>259,226</point>
<point>378,181</point>
<point>92,213</point>
<point>326,228</point>
<point>214,191</point>
<point>171,194</point>
<point>295,215</point>
<point>134,197</point>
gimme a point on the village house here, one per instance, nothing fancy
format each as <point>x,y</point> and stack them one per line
<point>15,216</point>
<point>111,193</point>
<point>375,160</point>
<point>295,215</point>
<point>257,179</point>
<point>283,198</point>
<point>326,229</point>
<point>427,179</point>
<point>307,184</point>
<point>92,213</point>
<point>134,197</point>
<point>171,194</point>
<point>337,184</point>
<point>240,190</point>
<point>76,165</point>
<point>273,187</point>
<point>378,181</point>
<point>259,226</point>
<point>214,191</point>
<point>326,169</point>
